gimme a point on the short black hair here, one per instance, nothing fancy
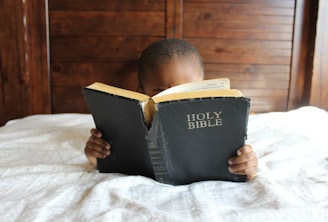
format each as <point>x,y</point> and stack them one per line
<point>163,51</point>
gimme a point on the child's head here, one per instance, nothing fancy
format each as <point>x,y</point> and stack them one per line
<point>167,63</point>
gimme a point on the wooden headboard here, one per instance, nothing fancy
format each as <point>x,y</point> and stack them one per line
<point>257,44</point>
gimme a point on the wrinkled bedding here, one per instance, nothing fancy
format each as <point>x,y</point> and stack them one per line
<point>44,176</point>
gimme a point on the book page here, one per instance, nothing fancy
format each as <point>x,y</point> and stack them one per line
<point>118,91</point>
<point>210,84</point>
<point>198,94</point>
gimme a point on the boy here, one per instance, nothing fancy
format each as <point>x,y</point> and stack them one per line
<point>164,64</point>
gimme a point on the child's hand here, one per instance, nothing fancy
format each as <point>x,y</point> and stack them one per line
<point>96,147</point>
<point>244,163</point>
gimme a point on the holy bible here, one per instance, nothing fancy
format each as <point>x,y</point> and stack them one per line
<point>182,135</point>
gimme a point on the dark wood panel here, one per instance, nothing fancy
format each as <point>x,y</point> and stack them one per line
<point>267,100</point>
<point>68,99</point>
<point>174,18</point>
<point>251,76</point>
<point>255,81</point>
<point>250,42</point>
<point>302,54</point>
<point>37,58</point>
<point>245,8</point>
<point>14,101</point>
<point>254,3</point>
<point>243,52</point>
<point>108,55</point>
<point>208,31</point>
<point>248,68</point>
<point>226,33</point>
<point>319,90</point>
<point>213,33</point>
<point>109,23</point>
<point>121,74</point>
<point>105,5</point>
<point>100,49</point>
<point>239,19</point>
<point>236,30</point>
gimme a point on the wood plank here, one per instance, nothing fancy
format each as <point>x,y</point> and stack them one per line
<point>267,3</point>
<point>240,35</point>
<point>174,20</point>
<point>38,59</point>
<point>236,21</point>
<point>109,23</point>
<point>237,31</point>
<point>302,54</point>
<point>14,101</point>
<point>218,44</point>
<point>68,100</point>
<point>121,74</point>
<point>105,5</point>
<point>238,9</point>
<point>226,25</point>
<point>241,19</point>
<point>243,52</point>
<point>98,48</point>
<point>319,87</point>
<point>248,77</point>
<point>247,68</point>
<point>253,81</point>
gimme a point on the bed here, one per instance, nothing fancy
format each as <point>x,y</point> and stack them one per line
<point>44,176</point>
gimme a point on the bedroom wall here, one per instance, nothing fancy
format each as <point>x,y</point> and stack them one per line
<point>254,43</point>
<point>13,81</point>
<point>249,42</point>
<point>319,90</point>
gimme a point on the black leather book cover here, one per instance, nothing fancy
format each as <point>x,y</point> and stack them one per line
<point>122,123</point>
<point>189,141</point>
<point>197,137</point>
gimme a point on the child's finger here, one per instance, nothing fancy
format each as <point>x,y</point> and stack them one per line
<point>242,158</point>
<point>244,149</point>
<point>99,141</point>
<point>245,168</point>
<point>95,150</point>
<point>95,132</point>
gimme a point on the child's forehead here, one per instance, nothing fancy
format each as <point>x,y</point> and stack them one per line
<point>175,70</point>
<point>177,62</point>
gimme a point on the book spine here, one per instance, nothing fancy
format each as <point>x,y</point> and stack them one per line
<point>155,141</point>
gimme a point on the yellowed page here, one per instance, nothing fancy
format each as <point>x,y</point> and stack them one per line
<point>198,94</point>
<point>210,84</point>
<point>118,91</point>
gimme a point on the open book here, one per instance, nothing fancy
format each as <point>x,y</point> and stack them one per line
<point>201,89</point>
<point>182,135</point>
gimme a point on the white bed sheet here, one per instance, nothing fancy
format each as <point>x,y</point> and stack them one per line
<point>44,176</point>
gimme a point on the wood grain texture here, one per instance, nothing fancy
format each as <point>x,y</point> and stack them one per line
<point>174,18</point>
<point>302,55</point>
<point>319,90</point>
<point>105,5</point>
<point>264,46</point>
<point>14,101</point>
<point>106,23</point>
<point>37,53</point>
<point>229,34</point>
<point>250,42</point>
